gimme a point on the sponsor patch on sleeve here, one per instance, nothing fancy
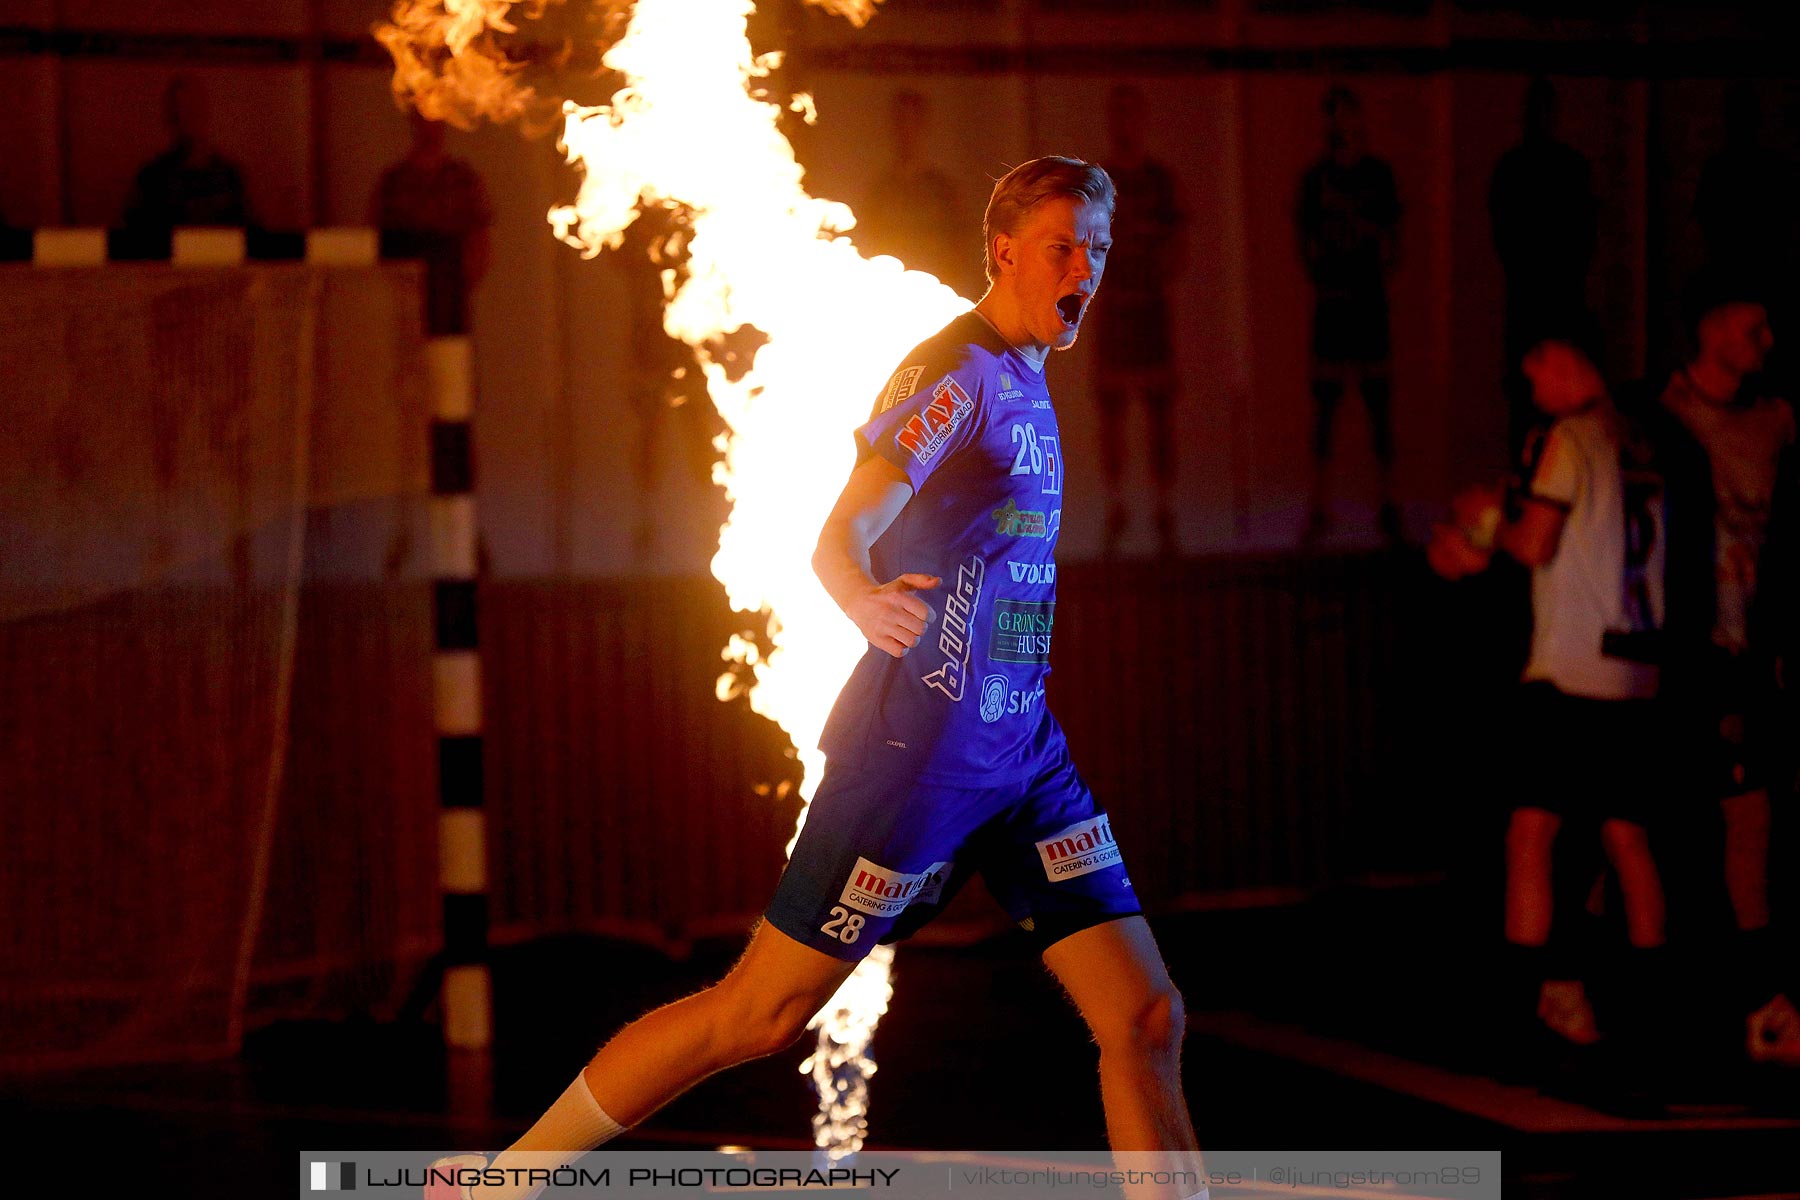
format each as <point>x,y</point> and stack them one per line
<point>904,383</point>
<point>882,892</point>
<point>926,431</point>
<point>1083,847</point>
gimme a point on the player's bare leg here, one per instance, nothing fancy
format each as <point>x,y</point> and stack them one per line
<point>1772,1031</point>
<point>761,1006</point>
<point>1530,834</point>
<point>1116,977</point>
<point>1627,847</point>
<point>1327,392</point>
<point>1747,857</point>
<point>1562,1004</point>
<point>1375,391</point>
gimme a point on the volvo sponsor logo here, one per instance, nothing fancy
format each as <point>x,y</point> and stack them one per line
<point>954,637</point>
<point>1083,847</point>
<point>1030,572</point>
<point>882,891</point>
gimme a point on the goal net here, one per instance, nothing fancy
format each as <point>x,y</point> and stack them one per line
<point>217,792</point>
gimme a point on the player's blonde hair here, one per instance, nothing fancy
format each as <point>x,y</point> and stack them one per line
<point>1030,184</point>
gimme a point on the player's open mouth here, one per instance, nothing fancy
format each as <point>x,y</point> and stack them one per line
<point>1069,308</point>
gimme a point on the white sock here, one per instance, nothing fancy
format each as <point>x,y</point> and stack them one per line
<point>570,1128</point>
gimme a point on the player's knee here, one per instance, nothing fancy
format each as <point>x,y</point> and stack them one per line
<point>775,1031</point>
<point>1530,833</point>
<point>1154,1026</point>
<point>760,1022</point>
<point>1624,840</point>
<point>1747,816</point>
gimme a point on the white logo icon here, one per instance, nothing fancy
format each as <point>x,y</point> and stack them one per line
<point>994,693</point>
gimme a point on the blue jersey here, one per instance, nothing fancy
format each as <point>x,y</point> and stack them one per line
<point>969,420</point>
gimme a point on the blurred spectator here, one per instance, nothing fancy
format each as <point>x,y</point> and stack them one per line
<point>1745,435</point>
<point>1745,199</point>
<point>1589,735</point>
<point>1136,355</point>
<point>190,183</point>
<point>1543,213</point>
<point>911,210</point>
<point>1348,217</point>
<point>1744,206</point>
<point>433,206</point>
<point>1775,627</point>
<point>666,387</point>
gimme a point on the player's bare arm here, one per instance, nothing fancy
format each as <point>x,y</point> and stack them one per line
<point>1456,550</point>
<point>889,615</point>
<point>1533,538</point>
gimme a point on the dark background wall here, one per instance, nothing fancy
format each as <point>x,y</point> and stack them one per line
<point>300,98</point>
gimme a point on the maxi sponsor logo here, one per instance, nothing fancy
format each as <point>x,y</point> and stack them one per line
<point>1012,521</point>
<point>1021,630</point>
<point>1030,572</point>
<point>926,431</point>
<point>1081,848</point>
<point>953,639</point>
<point>904,383</point>
<point>999,698</point>
<point>882,892</point>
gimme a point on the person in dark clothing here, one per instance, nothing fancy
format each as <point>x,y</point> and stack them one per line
<point>1542,207</point>
<point>1725,680</point>
<point>913,203</point>
<point>1744,207</point>
<point>190,183</point>
<point>1348,218</point>
<point>434,205</point>
<point>1133,334</point>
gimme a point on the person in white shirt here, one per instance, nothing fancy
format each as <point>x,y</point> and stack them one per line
<point>1589,727</point>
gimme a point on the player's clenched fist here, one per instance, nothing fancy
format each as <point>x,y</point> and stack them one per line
<point>891,616</point>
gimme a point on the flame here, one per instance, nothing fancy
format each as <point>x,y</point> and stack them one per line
<point>448,64</point>
<point>691,131</point>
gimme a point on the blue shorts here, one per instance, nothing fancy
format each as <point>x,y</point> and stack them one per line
<point>880,855</point>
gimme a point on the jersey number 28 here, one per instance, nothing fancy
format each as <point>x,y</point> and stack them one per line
<point>844,925</point>
<point>1030,460</point>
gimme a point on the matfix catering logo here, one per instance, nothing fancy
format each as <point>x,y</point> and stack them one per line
<point>1022,629</point>
<point>926,431</point>
<point>954,638</point>
<point>1083,847</point>
<point>883,892</point>
<point>904,383</point>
